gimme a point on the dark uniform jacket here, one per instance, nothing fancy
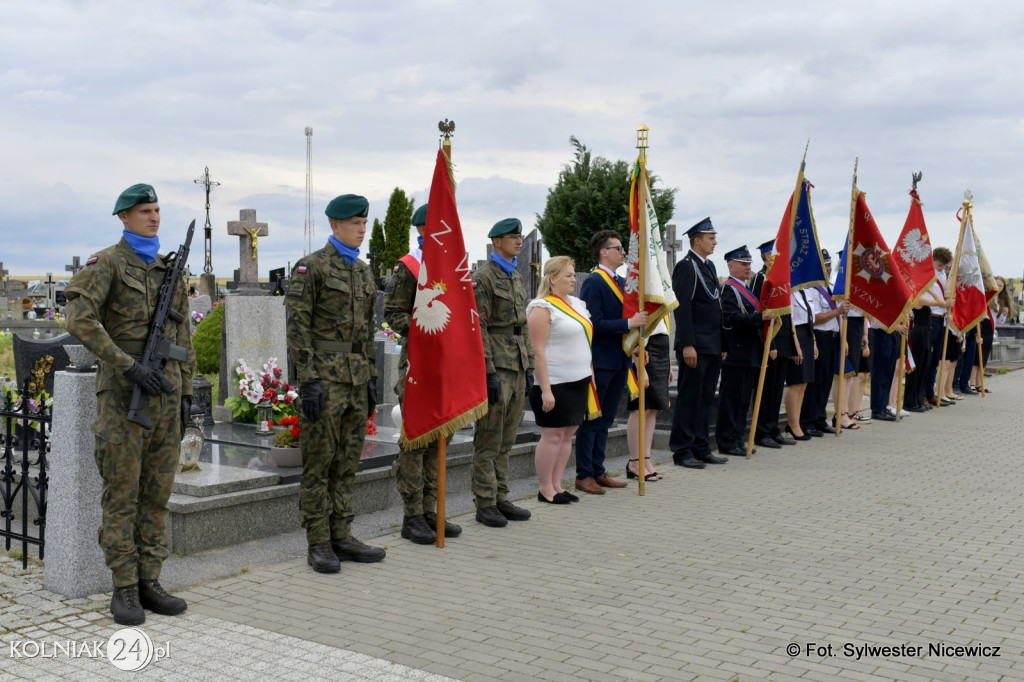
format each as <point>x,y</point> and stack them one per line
<point>605,310</point>
<point>783,341</point>
<point>741,329</point>
<point>331,319</point>
<point>699,315</point>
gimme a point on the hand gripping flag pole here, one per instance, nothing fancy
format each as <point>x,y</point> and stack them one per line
<point>940,391</point>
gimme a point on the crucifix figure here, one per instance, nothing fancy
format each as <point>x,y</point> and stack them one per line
<point>248,231</point>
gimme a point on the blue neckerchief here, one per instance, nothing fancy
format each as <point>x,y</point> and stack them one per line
<point>506,266</point>
<point>419,241</point>
<point>145,248</point>
<point>347,252</point>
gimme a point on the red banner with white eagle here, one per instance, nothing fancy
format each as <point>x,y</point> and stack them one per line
<point>876,285</point>
<point>913,252</point>
<point>975,284</point>
<point>445,387</point>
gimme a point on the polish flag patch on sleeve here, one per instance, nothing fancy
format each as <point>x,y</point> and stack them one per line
<point>301,270</point>
<point>92,260</point>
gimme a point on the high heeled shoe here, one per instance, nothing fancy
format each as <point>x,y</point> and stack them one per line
<point>653,476</point>
<point>554,500</point>
<point>802,436</point>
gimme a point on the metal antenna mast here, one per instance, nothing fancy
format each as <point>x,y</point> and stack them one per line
<point>308,231</point>
<point>208,230</point>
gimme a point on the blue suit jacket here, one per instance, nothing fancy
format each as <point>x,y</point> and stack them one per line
<point>606,316</point>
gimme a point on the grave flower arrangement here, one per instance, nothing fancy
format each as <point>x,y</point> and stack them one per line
<point>255,388</point>
<point>287,432</point>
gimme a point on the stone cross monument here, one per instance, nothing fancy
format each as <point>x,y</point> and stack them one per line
<point>74,266</point>
<point>248,231</point>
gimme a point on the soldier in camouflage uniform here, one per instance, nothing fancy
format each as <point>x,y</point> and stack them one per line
<point>417,469</point>
<point>110,302</point>
<point>330,341</point>
<point>501,303</point>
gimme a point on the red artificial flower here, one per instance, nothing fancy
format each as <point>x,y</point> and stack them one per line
<point>295,432</point>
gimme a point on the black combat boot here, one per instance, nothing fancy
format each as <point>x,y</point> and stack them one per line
<point>322,558</point>
<point>512,512</point>
<point>451,530</point>
<point>416,529</point>
<point>490,516</point>
<point>155,598</point>
<point>125,606</point>
<point>350,549</point>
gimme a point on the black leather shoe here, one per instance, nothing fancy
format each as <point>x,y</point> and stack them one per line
<point>512,512</point>
<point>490,516</point>
<point>803,436</point>
<point>555,499</point>
<point>884,417</point>
<point>415,528</point>
<point>350,549</point>
<point>322,558</point>
<point>125,606</point>
<point>689,462</point>
<point>709,458</point>
<point>155,598</point>
<point>814,433</point>
<point>967,390</point>
<point>735,452</point>
<point>451,530</point>
<point>782,440</point>
<point>769,443</point>
<point>825,428</point>
<point>918,409</point>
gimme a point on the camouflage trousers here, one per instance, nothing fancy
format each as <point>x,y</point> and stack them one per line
<point>331,449</point>
<point>137,467</point>
<point>416,477</point>
<point>493,440</point>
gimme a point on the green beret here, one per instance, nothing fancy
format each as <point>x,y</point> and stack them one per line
<point>506,226</point>
<point>348,206</point>
<point>420,216</point>
<point>133,196</point>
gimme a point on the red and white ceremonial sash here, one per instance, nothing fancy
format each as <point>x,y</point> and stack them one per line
<point>744,292</point>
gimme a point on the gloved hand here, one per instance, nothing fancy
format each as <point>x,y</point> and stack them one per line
<point>186,411</point>
<point>493,388</point>
<point>146,378</point>
<point>371,397</point>
<point>529,381</point>
<point>312,398</point>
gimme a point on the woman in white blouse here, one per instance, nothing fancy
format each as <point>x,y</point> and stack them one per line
<point>560,332</point>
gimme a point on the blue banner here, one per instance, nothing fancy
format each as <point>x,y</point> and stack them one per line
<point>806,266</point>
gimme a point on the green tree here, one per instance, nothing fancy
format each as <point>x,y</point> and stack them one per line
<point>377,240</point>
<point>206,341</point>
<point>396,228</point>
<point>592,194</point>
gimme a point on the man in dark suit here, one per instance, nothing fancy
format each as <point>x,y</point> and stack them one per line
<point>602,292</point>
<point>698,348</point>
<point>742,318</point>
<point>767,434</point>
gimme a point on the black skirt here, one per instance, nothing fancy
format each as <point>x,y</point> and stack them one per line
<point>658,361</point>
<point>804,372</point>
<point>570,404</point>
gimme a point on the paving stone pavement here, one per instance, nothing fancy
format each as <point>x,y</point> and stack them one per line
<point>900,534</point>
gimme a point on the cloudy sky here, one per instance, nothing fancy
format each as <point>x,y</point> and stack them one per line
<point>96,96</point>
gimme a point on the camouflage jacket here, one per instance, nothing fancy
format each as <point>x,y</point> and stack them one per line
<point>331,319</point>
<point>501,303</point>
<point>398,300</point>
<point>110,303</point>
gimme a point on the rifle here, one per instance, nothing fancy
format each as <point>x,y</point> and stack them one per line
<point>158,349</point>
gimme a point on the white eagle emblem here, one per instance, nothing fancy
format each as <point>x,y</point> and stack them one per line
<point>429,313</point>
<point>914,247</point>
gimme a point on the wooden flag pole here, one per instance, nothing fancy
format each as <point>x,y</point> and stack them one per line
<point>941,388</point>
<point>981,359</point>
<point>841,391</point>
<point>901,367</point>
<point>447,128</point>
<point>760,379</point>
<point>641,369</point>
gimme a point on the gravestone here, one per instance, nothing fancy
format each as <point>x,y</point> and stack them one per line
<point>29,351</point>
<point>200,304</point>
<point>248,231</point>
<point>528,263</point>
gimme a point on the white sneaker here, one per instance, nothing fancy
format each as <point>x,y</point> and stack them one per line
<point>891,411</point>
<point>904,413</point>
